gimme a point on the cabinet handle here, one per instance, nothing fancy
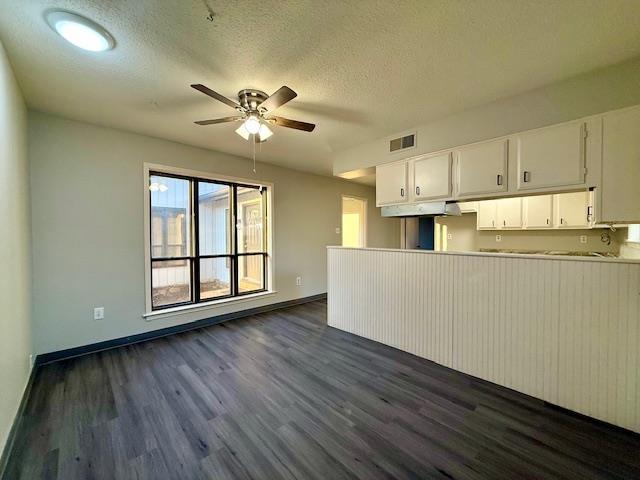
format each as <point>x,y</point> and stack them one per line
<point>526,176</point>
<point>547,221</point>
<point>504,222</point>
<point>402,192</point>
<point>499,179</point>
<point>562,221</point>
<point>589,213</point>
<point>417,190</point>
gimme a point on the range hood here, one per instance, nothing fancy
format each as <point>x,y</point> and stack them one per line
<point>427,209</point>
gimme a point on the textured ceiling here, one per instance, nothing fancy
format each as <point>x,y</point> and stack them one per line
<point>363,69</point>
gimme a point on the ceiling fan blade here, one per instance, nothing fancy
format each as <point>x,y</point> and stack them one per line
<point>285,122</point>
<point>216,95</point>
<point>219,120</point>
<point>279,98</point>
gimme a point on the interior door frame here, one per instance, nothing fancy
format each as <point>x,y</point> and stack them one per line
<point>366,215</point>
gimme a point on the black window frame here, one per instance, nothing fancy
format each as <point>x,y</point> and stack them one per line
<point>194,258</point>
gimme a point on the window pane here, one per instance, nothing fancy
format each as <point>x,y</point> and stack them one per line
<point>250,273</point>
<point>171,282</point>
<point>215,277</point>
<point>170,216</point>
<point>214,217</point>
<point>250,220</point>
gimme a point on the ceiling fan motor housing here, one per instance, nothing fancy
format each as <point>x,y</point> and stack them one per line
<point>251,99</point>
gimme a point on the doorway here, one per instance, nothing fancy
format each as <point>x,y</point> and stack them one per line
<point>354,222</point>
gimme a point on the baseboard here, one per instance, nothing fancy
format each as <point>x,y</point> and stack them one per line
<point>51,357</point>
<point>17,421</point>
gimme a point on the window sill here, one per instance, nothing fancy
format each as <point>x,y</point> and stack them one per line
<point>170,312</point>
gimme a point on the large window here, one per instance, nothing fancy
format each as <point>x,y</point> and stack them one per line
<point>208,239</point>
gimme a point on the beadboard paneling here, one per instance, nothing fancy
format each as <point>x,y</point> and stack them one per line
<point>400,300</point>
<point>560,329</point>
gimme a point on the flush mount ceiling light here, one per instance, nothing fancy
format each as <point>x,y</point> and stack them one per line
<point>80,31</point>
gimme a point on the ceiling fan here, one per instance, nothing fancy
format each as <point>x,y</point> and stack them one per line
<point>255,109</point>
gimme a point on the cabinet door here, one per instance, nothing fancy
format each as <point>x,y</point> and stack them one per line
<point>509,212</point>
<point>551,157</point>
<point>572,210</point>
<point>391,183</point>
<point>538,211</point>
<point>621,166</point>
<point>486,219</point>
<point>482,168</point>
<point>432,177</point>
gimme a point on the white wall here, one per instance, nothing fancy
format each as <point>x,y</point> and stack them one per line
<point>88,228</point>
<point>15,249</point>
<point>595,92</point>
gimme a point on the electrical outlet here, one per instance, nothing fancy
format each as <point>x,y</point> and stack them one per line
<point>449,236</point>
<point>498,238</point>
<point>98,313</point>
<point>299,281</point>
<point>337,230</point>
<point>583,239</point>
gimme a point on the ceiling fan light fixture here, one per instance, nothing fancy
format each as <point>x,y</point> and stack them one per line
<point>243,132</point>
<point>264,132</point>
<point>80,31</point>
<point>252,124</point>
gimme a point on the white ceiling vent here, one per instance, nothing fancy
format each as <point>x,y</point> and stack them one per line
<point>402,143</point>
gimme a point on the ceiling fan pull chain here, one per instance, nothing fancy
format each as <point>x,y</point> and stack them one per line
<point>254,155</point>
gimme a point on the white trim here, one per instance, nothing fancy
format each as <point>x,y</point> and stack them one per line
<point>148,167</point>
<point>534,256</point>
<point>204,306</point>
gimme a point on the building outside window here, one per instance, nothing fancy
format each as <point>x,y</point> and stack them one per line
<point>208,239</point>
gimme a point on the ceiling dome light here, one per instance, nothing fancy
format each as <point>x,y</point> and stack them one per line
<point>80,31</point>
<point>252,124</point>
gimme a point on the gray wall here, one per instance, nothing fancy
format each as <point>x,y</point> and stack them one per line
<point>88,247</point>
<point>15,249</point>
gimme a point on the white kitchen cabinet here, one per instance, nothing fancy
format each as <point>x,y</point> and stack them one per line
<point>573,210</point>
<point>621,167</point>
<point>487,215</point>
<point>538,211</point>
<point>482,168</point>
<point>391,183</point>
<point>509,212</point>
<point>551,157</point>
<point>431,177</point>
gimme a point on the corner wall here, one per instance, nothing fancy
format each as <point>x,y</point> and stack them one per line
<point>88,228</point>
<point>15,249</point>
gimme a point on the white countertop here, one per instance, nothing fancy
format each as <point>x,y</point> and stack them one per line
<point>578,258</point>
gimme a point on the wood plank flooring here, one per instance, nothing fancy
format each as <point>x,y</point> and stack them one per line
<point>282,396</point>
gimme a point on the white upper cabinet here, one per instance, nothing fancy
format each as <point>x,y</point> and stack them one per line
<point>391,183</point>
<point>621,167</point>
<point>551,157</point>
<point>538,211</point>
<point>482,168</point>
<point>509,212</point>
<point>486,219</point>
<point>573,210</point>
<point>431,177</point>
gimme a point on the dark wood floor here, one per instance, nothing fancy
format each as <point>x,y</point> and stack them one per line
<point>281,395</point>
